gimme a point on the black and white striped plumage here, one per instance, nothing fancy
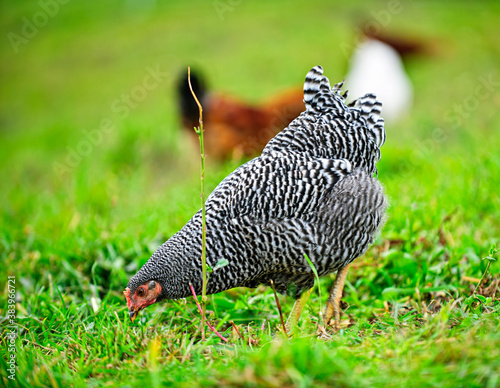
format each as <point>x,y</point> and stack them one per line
<point>312,191</point>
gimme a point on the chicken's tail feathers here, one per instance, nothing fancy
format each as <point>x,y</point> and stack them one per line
<point>314,83</point>
<point>187,104</point>
<point>319,96</point>
<point>331,129</point>
<point>370,108</point>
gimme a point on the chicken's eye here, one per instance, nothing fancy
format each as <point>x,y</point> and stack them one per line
<point>141,292</point>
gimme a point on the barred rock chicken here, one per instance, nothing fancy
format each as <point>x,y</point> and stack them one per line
<point>311,192</point>
<point>234,128</point>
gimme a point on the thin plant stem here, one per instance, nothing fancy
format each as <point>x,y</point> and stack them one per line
<point>490,260</point>
<point>238,331</point>
<point>200,310</point>
<point>480,282</point>
<point>482,277</point>
<point>204,280</point>
<point>279,309</point>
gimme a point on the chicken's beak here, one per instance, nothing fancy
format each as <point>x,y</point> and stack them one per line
<point>133,315</point>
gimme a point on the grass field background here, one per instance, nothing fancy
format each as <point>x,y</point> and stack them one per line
<point>77,221</point>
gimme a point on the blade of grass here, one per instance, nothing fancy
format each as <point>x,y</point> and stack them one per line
<point>319,288</point>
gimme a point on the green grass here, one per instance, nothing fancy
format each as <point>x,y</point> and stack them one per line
<point>73,240</point>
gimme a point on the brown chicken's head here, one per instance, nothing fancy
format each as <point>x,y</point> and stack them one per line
<point>144,295</point>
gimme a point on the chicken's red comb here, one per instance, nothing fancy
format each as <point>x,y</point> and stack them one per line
<point>127,295</point>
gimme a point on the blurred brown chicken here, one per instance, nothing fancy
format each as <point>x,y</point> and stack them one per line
<point>234,128</point>
<point>405,45</point>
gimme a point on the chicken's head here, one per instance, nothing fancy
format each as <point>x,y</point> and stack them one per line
<point>144,295</point>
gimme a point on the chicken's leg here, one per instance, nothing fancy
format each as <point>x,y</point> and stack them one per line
<point>333,303</point>
<point>297,310</point>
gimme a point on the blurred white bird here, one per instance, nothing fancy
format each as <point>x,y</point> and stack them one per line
<point>377,67</point>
